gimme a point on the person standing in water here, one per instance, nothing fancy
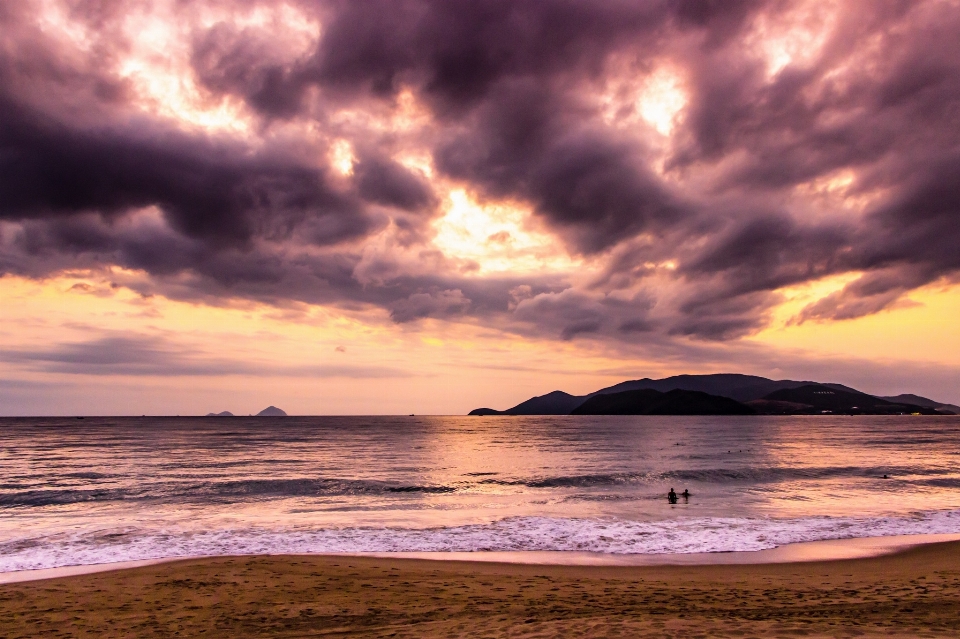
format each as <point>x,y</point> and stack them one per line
<point>672,496</point>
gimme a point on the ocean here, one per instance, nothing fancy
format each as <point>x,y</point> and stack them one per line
<point>101,490</point>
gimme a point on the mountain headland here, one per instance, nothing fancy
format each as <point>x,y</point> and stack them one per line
<point>723,394</point>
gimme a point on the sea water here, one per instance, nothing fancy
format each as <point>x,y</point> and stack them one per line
<point>102,490</point>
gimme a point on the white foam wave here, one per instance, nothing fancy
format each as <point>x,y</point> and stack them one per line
<point>512,534</point>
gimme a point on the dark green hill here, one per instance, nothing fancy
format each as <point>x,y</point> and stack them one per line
<point>555,403</point>
<point>742,388</point>
<point>917,400</point>
<point>819,399</point>
<point>651,402</point>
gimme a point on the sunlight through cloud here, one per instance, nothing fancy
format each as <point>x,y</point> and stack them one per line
<point>497,236</point>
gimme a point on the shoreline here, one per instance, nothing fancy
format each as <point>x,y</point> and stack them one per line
<point>801,552</point>
<point>907,594</point>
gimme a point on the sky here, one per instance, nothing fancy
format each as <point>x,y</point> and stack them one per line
<point>416,206</point>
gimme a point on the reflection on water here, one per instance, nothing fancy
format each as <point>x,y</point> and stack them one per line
<point>72,479</point>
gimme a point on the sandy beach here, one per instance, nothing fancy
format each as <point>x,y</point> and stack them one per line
<point>913,593</point>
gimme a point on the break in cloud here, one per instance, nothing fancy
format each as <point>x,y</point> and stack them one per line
<point>674,166</point>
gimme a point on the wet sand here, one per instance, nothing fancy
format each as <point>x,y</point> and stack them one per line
<point>914,593</point>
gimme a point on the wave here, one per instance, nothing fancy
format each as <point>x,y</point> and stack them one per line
<point>720,534</point>
<point>213,492</point>
<point>229,491</point>
<point>755,474</point>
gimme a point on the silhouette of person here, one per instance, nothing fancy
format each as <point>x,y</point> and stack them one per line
<point>685,494</point>
<point>672,496</point>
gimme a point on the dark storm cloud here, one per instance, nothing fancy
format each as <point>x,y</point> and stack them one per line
<point>510,88</point>
<point>432,304</point>
<point>912,240</point>
<point>242,61</point>
<point>570,313</point>
<point>186,269</point>
<point>495,66</point>
<point>733,278</point>
<point>768,252</point>
<point>716,316</point>
<point>458,52</point>
<point>869,294</point>
<point>589,185</point>
<point>897,124</point>
<point>207,190</point>
<point>921,226</point>
<point>389,183</point>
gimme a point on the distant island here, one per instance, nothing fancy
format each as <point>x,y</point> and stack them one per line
<point>724,394</point>
<point>269,411</point>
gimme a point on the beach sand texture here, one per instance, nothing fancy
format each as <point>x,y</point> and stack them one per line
<point>915,593</point>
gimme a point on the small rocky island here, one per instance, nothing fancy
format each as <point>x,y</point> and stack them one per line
<point>269,411</point>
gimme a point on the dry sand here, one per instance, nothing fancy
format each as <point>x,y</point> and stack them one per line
<point>915,593</point>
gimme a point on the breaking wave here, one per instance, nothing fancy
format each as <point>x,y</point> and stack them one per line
<point>694,535</point>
